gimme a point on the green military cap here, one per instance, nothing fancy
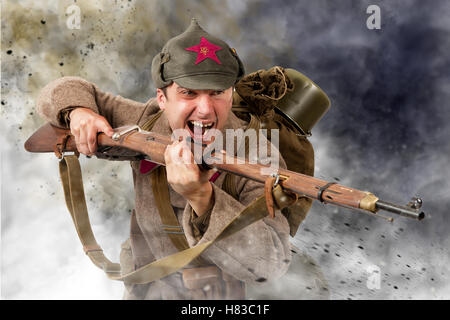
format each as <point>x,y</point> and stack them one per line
<point>197,60</point>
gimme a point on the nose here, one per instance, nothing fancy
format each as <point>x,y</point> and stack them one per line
<point>205,105</point>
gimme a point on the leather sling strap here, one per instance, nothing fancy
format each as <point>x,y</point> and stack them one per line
<point>169,220</point>
<point>160,190</point>
<point>71,178</point>
<point>70,172</point>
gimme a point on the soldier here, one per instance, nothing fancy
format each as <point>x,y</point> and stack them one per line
<point>194,75</point>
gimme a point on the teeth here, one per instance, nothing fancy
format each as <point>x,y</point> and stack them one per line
<point>201,125</point>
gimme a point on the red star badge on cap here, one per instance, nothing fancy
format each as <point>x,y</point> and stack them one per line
<point>205,50</point>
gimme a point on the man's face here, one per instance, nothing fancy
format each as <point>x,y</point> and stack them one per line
<point>195,110</point>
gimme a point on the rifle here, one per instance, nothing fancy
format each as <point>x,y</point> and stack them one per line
<point>151,146</point>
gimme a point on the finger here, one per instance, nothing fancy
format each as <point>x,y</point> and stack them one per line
<point>186,155</point>
<point>104,126</point>
<point>168,154</point>
<point>175,152</point>
<point>82,144</point>
<point>92,139</point>
<point>75,131</point>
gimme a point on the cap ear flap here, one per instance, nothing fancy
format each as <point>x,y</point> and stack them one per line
<point>157,70</point>
<point>241,71</point>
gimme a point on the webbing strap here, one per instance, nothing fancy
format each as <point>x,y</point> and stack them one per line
<point>148,125</point>
<point>70,172</point>
<point>71,178</point>
<point>229,182</point>
<point>169,220</point>
<point>160,190</point>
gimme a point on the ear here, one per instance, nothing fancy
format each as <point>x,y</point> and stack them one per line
<point>161,99</point>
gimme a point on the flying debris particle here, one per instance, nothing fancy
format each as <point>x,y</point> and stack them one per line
<point>337,179</point>
<point>261,279</point>
<point>337,255</point>
<point>43,21</point>
<point>9,52</point>
<point>347,224</point>
<point>395,287</point>
<point>251,270</point>
<point>61,64</point>
<point>90,45</point>
<point>361,247</point>
<point>399,256</point>
<point>286,261</point>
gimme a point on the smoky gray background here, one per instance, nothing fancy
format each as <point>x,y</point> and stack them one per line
<point>387,132</point>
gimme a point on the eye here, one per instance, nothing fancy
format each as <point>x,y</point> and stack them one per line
<point>187,93</point>
<point>217,92</point>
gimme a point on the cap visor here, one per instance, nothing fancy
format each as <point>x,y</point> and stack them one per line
<point>206,82</point>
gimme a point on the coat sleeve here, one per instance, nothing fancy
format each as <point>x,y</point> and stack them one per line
<point>259,252</point>
<point>71,92</point>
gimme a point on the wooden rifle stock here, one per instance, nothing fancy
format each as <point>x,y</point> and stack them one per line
<point>151,146</point>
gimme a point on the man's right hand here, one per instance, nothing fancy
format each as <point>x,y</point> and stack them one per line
<point>84,126</point>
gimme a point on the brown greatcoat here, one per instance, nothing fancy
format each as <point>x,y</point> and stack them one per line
<point>259,251</point>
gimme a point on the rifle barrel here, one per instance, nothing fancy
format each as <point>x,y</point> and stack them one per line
<point>400,210</point>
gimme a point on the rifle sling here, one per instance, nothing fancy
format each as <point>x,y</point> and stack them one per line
<point>160,190</point>
<point>168,218</point>
<point>71,178</point>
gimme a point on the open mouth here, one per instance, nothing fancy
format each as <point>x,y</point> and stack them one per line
<point>199,129</point>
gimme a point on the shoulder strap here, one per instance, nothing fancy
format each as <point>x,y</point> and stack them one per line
<point>148,125</point>
<point>71,178</point>
<point>169,220</point>
<point>229,182</point>
<point>160,189</point>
